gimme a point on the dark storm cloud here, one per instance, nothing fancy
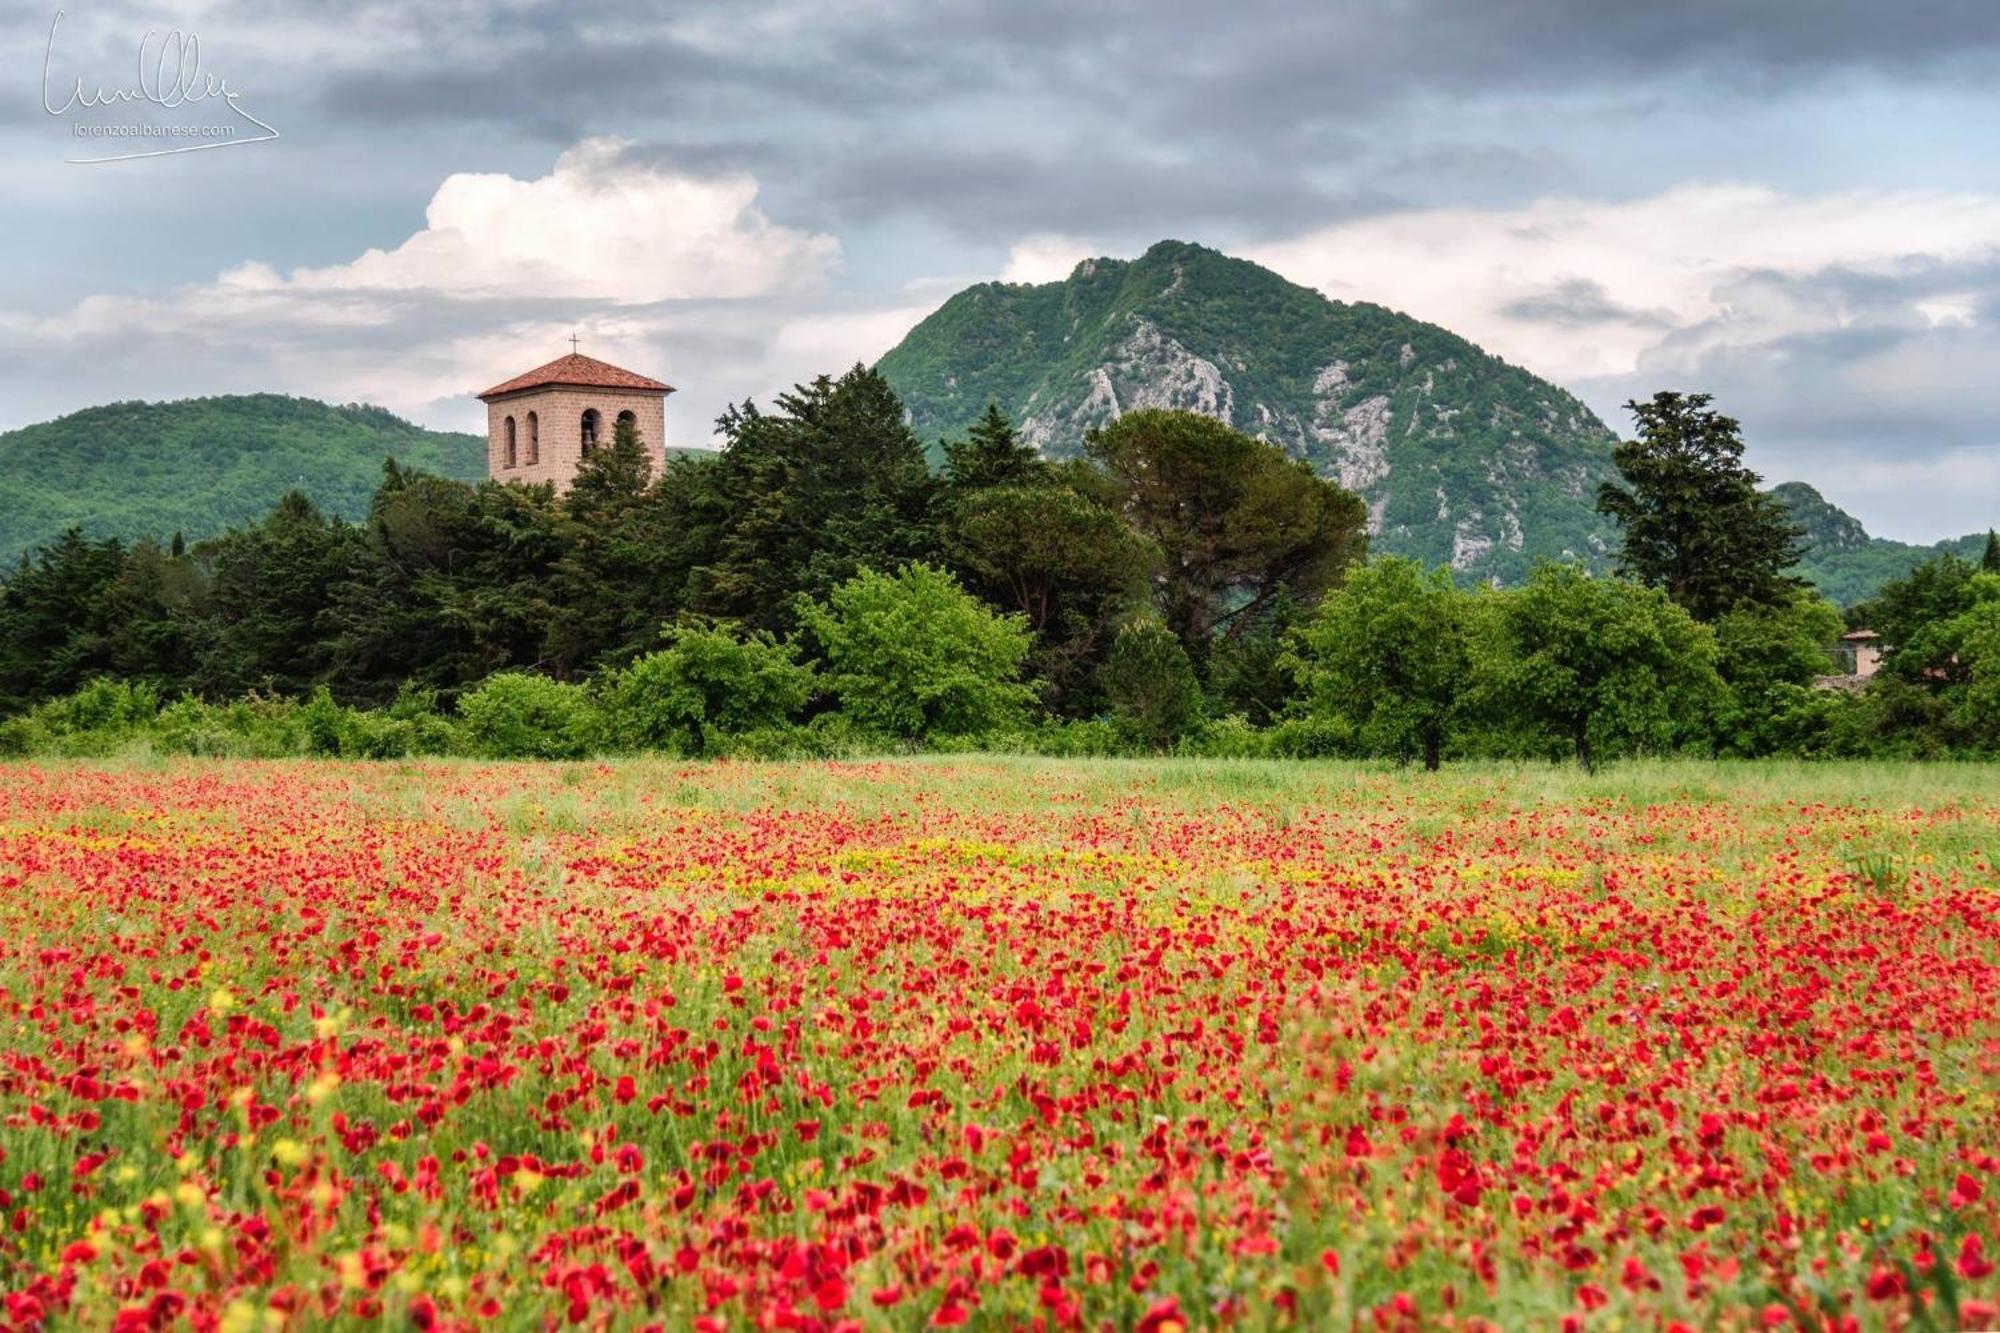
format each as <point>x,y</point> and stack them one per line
<point>518,85</point>
<point>990,116</point>
<point>1285,70</point>
<point>585,66</point>
<point>997,195</point>
<point>1828,387</point>
<point>1581,304</point>
<point>1883,293</point>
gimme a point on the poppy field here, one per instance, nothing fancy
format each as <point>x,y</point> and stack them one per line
<point>998,1043</point>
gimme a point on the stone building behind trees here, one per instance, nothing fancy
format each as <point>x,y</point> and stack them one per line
<point>541,424</point>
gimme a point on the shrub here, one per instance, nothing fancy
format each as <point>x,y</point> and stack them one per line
<point>324,723</point>
<point>103,705</point>
<point>516,715</point>
<point>1094,738</point>
<point>429,730</point>
<point>21,737</point>
<point>99,718</point>
<point>370,735</point>
<point>1231,737</point>
<point>256,727</point>
<point>704,686</point>
<point>1312,738</point>
<point>913,655</point>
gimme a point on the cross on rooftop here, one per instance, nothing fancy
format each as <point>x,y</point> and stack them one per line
<point>572,344</point>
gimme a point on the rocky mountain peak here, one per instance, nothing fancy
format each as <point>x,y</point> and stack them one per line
<point>1461,458</point>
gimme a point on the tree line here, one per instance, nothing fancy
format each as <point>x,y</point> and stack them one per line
<point>816,587</point>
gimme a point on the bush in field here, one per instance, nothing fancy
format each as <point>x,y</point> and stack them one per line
<point>410,726</point>
<point>1767,657</point>
<point>429,731</point>
<point>323,723</point>
<point>516,715</point>
<point>705,685</point>
<point>1095,738</point>
<point>97,719</point>
<point>1231,737</point>
<point>104,705</point>
<point>1311,738</point>
<point>373,735</point>
<point>1391,654</point>
<point>21,737</point>
<point>913,655</point>
<point>255,727</point>
<point>1155,698</point>
<point>1602,665</point>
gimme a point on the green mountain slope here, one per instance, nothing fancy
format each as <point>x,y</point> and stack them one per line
<point>197,466</point>
<point>1847,564</point>
<point>1462,458</point>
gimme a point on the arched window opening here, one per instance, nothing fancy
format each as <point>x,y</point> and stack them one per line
<point>590,420</point>
<point>509,446</point>
<point>534,440</point>
<point>629,418</point>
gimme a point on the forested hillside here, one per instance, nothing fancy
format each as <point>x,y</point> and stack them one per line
<point>1843,561</point>
<point>201,465</point>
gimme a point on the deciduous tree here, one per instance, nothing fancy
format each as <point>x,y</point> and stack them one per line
<point>1767,657</point>
<point>1603,664</point>
<point>913,655</point>
<point>1390,652</point>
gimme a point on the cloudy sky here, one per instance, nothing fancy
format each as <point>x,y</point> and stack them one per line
<point>1793,204</point>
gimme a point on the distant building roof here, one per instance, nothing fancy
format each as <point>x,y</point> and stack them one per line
<point>1859,636</point>
<point>576,369</point>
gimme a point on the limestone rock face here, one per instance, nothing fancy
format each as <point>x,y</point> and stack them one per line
<point>1460,457</point>
<point>1145,368</point>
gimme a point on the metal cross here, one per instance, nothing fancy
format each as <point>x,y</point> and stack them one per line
<point>572,344</point>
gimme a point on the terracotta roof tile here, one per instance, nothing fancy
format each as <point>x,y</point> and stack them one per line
<point>577,369</point>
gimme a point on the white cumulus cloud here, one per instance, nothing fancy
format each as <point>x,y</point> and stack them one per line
<point>600,226</point>
<point>1045,257</point>
<point>674,274</point>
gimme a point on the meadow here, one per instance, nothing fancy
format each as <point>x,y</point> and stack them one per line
<point>996,1043</point>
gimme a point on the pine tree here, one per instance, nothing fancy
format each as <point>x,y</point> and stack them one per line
<point>612,477</point>
<point>1695,523</point>
<point>992,454</point>
<point>1238,520</point>
<point>805,496</point>
<point>602,581</point>
<point>1991,560</point>
<point>270,585</point>
<point>55,631</point>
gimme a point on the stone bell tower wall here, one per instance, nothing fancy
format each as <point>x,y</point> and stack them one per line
<point>558,411</point>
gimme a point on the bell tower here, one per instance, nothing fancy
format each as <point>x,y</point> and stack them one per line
<point>541,424</point>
